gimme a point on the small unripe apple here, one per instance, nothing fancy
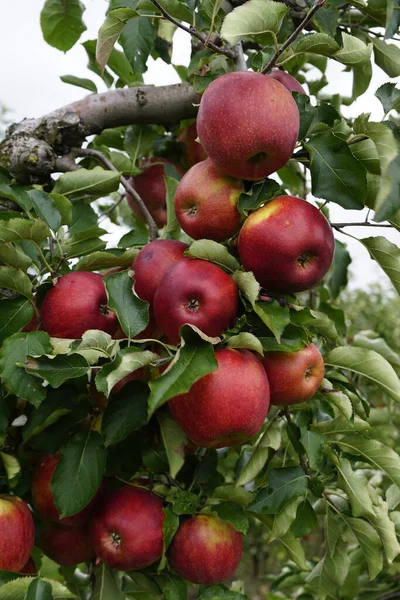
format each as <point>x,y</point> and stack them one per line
<point>193,151</point>
<point>66,545</point>
<point>127,529</point>
<point>287,80</point>
<point>195,292</point>
<point>206,203</point>
<point>17,533</point>
<point>76,303</point>
<point>294,377</point>
<point>229,405</point>
<point>151,264</point>
<point>206,550</point>
<point>288,244</point>
<point>248,124</point>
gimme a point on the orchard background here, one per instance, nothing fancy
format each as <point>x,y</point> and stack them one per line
<point>315,493</point>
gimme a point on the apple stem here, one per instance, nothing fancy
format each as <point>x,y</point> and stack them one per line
<point>294,35</point>
<point>240,57</point>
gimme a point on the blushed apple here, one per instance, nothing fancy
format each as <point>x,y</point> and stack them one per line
<point>287,80</point>
<point>17,533</point>
<point>67,546</point>
<point>193,151</point>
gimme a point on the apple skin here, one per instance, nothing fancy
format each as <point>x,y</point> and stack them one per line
<point>287,80</point>
<point>229,405</point>
<point>151,264</point>
<point>206,203</point>
<point>29,568</point>
<point>127,529</point>
<point>288,244</point>
<point>151,188</point>
<point>193,152</point>
<point>66,545</point>
<point>17,533</point>
<point>43,500</point>
<point>206,550</point>
<point>294,377</point>
<point>248,124</point>
<point>195,292</point>
<point>76,303</point>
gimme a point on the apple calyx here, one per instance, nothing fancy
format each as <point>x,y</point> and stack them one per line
<point>193,305</point>
<point>116,539</point>
<point>304,259</point>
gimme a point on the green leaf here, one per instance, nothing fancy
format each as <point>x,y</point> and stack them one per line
<point>257,195</point>
<point>110,31</point>
<point>107,260</point>
<point>305,521</point>
<point>248,285</point>
<point>137,40</point>
<point>132,312</point>
<point>340,425</point>
<point>213,252</point>
<point>107,585</point>
<point>96,182</point>
<point>139,140</point>
<point>235,514</point>
<point>61,23</point>
<point>326,19</point>
<point>338,278</point>
<point>94,345</point>
<point>174,441</point>
<point>125,413</point>
<point>219,592</point>
<point>367,363</point>
<point>45,209</point>
<point>15,280</point>
<point>139,586</point>
<point>290,543</point>
<point>11,464</point>
<point>386,530</point>
<point>336,175</point>
<point>14,351</point>
<point>313,444</point>
<point>271,438</point>
<point>126,362</point>
<point>387,57</point>
<point>389,96</point>
<point>18,588</point>
<point>172,228</point>
<point>14,315</point>
<point>316,43</point>
<point>354,52</point>
<point>79,473</point>
<point>329,573</point>
<point>39,590</point>
<point>58,369</point>
<point>12,257</point>
<point>284,519</point>
<point>284,485</point>
<point>370,544</point>
<point>246,340</point>
<point>16,230</point>
<point>82,82</point>
<point>371,340</point>
<point>194,359</point>
<point>173,586</point>
<point>387,255</point>
<point>253,20</point>
<point>275,316</point>
<point>361,79</point>
<point>355,487</point>
<point>83,218</point>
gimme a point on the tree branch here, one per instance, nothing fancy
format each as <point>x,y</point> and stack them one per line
<point>362,224</point>
<point>294,35</point>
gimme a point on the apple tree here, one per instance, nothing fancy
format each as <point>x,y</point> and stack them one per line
<point>185,397</point>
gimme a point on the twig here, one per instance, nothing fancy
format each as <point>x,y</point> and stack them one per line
<point>66,163</point>
<point>361,28</point>
<point>131,190</point>
<point>240,57</point>
<point>111,208</point>
<point>362,224</point>
<point>294,35</point>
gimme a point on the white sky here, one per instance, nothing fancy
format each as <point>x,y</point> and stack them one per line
<point>30,86</point>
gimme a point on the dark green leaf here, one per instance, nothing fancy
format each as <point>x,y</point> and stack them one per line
<point>125,413</point>
<point>58,369</point>
<point>16,230</point>
<point>39,590</point>
<point>313,444</point>
<point>126,362</point>
<point>258,194</point>
<point>61,22</point>
<point>389,96</point>
<point>107,584</point>
<point>97,182</point>
<point>220,592</point>
<point>14,315</point>
<point>174,441</point>
<point>81,82</point>
<point>234,513</point>
<point>338,278</point>
<point>306,519</point>
<point>184,503</point>
<point>387,57</point>
<point>275,316</point>
<point>326,19</point>
<point>137,39</point>
<point>284,485</point>
<point>173,587</point>
<point>15,280</point>
<point>132,312</point>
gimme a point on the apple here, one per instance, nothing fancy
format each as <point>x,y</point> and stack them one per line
<point>29,568</point>
<point>288,244</point>
<point>17,533</point>
<point>151,188</point>
<point>193,152</point>
<point>248,124</point>
<point>76,303</point>
<point>287,80</point>
<point>43,500</point>
<point>66,545</point>
<point>206,550</point>
<point>294,377</point>
<point>195,292</point>
<point>127,529</point>
<point>151,264</point>
<point>206,203</point>
<point>229,405</point>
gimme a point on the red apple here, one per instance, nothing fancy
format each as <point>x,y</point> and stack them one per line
<point>42,496</point>
<point>195,292</point>
<point>17,533</point>
<point>151,264</point>
<point>151,188</point>
<point>206,550</point>
<point>287,80</point>
<point>294,377</point>
<point>76,303</point>
<point>193,152</point>
<point>127,529</point>
<point>206,203</point>
<point>66,545</point>
<point>229,405</point>
<point>33,324</point>
<point>248,124</point>
<point>29,568</point>
<point>288,244</point>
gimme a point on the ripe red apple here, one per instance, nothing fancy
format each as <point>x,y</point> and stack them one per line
<point>206,203</point>
<point>42,496</point>
<point>195,292</point>
<point>17,533</point>
<point>248,124</point>
<point>206,549</point>
<point>287,80</point>
<point>127,529</point>
<point>294,377</point>
<point>288,244</point>
<point>229,405</point>
<point>193,152</point>
<point>76,303</point>
<point>151,264</point>
<point>29,568</point>
<point>151,188</point>
<point>66,545</point>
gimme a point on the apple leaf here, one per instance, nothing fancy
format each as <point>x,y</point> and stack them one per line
<point>340,426</point>
<point>284,485</point>
<point>15,230</point>
<point>17,589</point>
<point>58,369</point>
<point>220,592</point>
<point>248,285</point>
<point>137,40</point>
<point>386,529</point>
<point>45,208</point>
<point>107,584</point>
<point>370,543</point>
<point>82,82</point>
<point>126,413</point>
<point>305,520</point>
<point>235,514</point>
<point>283,520</point>
<point>371,340</point>
<point>329,573</point>
<point>338,277</point>
<point>387,255</point>
<point>316,43</point>
<point>94,345</point>
<point>14,315</point>
<point>172,228</point>
<point>15,280</point>
<point>213,252</point>
<point>271,438</point>
<point>107,259</point>
<point>132,312</point>
<point>253,20</point>
<point>354,53</point>
<point>39,590</point>
<point>96,182</point>
<point>284,345</point>
<point>110,31</point>
<point>275,316</point>
<point>355,486</point>
<point>259,194</point>
<point>174,441</point>
<point>389,95</point>
<point>387,57</point>
<point>61,23</point>
<point>79,473</point>
<point>172,586</point>
<point>313,443</point>
<point>137,585</point>
<point>246,340</point>
<point>11,464</point>
<point>126,362</point>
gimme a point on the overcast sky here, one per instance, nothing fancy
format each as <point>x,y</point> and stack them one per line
<point>30,86</point>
